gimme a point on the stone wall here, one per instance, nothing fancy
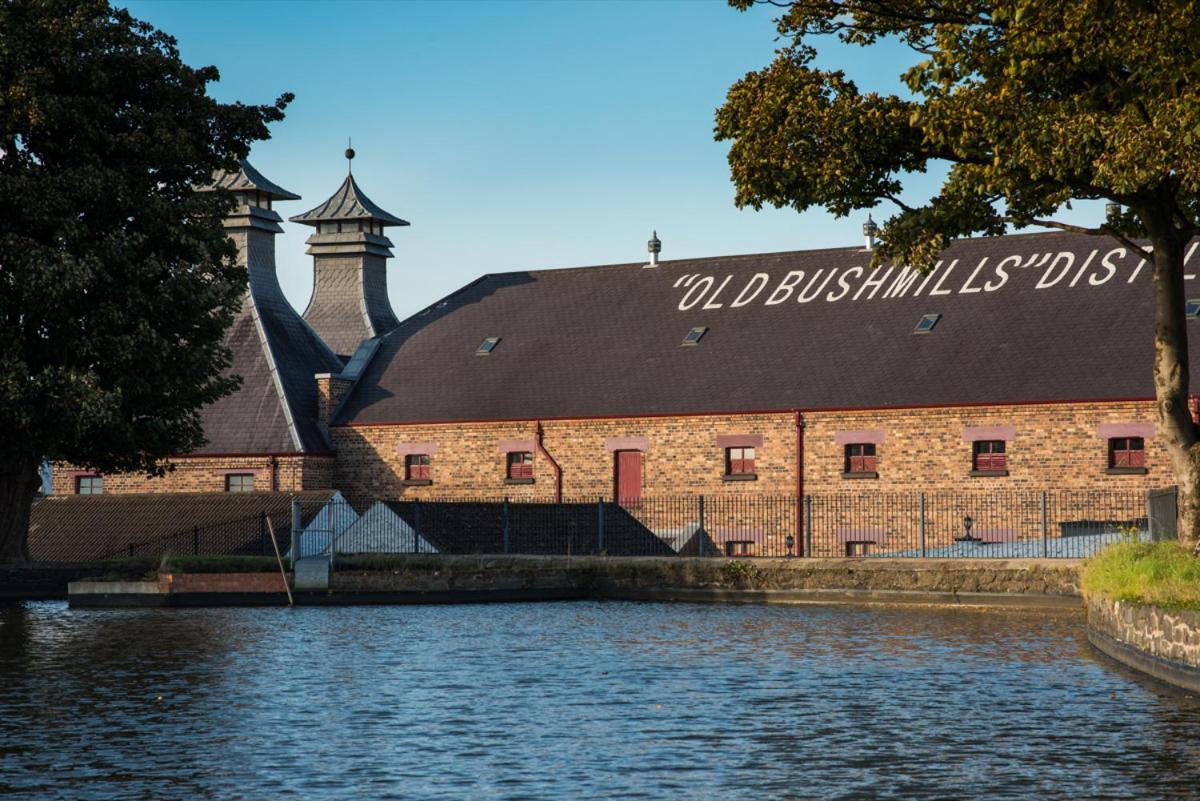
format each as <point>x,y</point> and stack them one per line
<point>1052,446</point>
<point>762,580</point>
<point>207,474</point>
<point>1163,643</point>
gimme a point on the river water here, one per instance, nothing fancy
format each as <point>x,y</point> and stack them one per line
<point>576,701</point>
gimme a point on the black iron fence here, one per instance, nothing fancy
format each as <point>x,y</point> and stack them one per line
<point>245,536</point>
<point>1051,524</point>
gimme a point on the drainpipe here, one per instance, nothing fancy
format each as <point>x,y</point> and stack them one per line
<point>557,470</point>
<point>274,473</point>
<point>800,484</point>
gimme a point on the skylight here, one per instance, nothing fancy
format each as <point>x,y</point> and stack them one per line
<point>693,336</point>
<point>487,346</point>
<point>1193,308</point>
<point>926,323</point>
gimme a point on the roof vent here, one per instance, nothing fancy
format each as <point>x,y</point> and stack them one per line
<point>870,231</point>
<point>654,246</point>
<point>1192,309</point>
<point>487,346</point>
<point>926,323</point>
<point>693,337</point>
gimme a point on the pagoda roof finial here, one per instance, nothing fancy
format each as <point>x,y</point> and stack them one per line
<point>349,155</point>
<point>349,202</point>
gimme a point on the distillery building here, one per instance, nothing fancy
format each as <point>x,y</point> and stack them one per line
<point>1018,363</point>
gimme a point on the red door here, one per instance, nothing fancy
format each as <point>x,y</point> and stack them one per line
<point>629,477</point>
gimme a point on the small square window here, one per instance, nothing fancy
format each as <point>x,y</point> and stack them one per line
<point>926,323</point>
<point>417,467</point>
<point>858,548</point>
<point>1126,452</point>
<point>487,346</point>
<point>520,464</point>
<point>239,482</point>
<point>989,455</point>
<point>89,485</point>
<point>1192,308</point>
<point>694,336</point>
<point>739,461</point>
<point>861,458</point>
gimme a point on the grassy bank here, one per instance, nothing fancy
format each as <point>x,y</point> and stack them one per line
<point>219,564</point>
<point>1156,573</point>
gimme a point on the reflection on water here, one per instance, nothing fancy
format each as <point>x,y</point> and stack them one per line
<point>578,700</point>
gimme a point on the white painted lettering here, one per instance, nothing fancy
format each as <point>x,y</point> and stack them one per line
<point>786,287</point>
<point>711,304</point>
<point>873,283</point>
<point>685,279</point>
<point>1067,259</point>
<point>1111,271</point>
<point>1083,268</point>
<point>808,293</point>
<point>700,288</point>
<point>1187,258</point>
<point>937,288</point>
<point>832,296</point>
<point>756,284</point>
<point>901,283</point>
<point>1137,269</point>
<point>967,289</point>
<point>928,278</point>
<point>992,286</point>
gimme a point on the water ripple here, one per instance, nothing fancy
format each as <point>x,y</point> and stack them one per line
<point>578,701</point>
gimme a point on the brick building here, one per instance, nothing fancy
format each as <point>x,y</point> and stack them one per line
<point>1019,363</point>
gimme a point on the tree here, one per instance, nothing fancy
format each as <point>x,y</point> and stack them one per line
<point>1030,104</point>
<point>117,280</point>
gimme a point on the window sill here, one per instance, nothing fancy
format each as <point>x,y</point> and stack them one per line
<point>987,473</point>
<point>518,481</point>
<point>1126,471</point>
<point>740,477</point>
<point>871,474</point>
<point>416,482</point>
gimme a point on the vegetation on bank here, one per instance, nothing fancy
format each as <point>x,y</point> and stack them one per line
<point>1162,574</point>
<point>218,564</point>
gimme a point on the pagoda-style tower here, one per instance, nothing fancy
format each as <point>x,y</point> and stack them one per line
<point>349,302</point>
<point>275,352</point>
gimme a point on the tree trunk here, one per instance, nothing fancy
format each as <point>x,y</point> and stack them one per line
<point>19,482</point>
<point>1171,373</point>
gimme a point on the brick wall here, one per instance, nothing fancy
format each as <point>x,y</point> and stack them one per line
<point>220,582</point>
<point>207,474</point>
<point>1052,446</point>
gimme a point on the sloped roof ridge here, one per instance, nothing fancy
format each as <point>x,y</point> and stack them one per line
<point>249,178</point>
<point>736,257</point>
<point>348,202</point>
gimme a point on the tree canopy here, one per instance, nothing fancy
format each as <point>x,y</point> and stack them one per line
<point>117,279</point>
<point>1030,104</point>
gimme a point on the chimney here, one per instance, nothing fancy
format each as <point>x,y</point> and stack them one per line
<point>654,246</point>
<point>870,231</point>
<point>253,224</point>
<point>331,389</point>
<point>349,303</point>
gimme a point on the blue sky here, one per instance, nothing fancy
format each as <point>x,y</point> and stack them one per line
<point>512,135</point>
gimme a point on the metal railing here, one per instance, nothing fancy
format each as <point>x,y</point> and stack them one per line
<point>1049,524</point>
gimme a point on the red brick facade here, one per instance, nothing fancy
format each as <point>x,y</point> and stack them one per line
<point>208,474</point>
<point>1052,446</point>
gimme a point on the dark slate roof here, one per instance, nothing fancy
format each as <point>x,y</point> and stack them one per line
<point>247,178</point>
<point>606,340</point>
<point>276,353</point>
<point>80,528</point>
<point>347,203</point>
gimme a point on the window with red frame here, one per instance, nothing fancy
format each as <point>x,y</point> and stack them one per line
<point>520,464</point>
<point>860,458</point>
<point>417,467</point>
<point>990,455</point>
<point>739,461</point>
<point>1127,452</point>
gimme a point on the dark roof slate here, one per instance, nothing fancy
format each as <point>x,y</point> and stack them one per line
<point>347,203</point>
<point>247,178</point>
<point>605,341</point>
